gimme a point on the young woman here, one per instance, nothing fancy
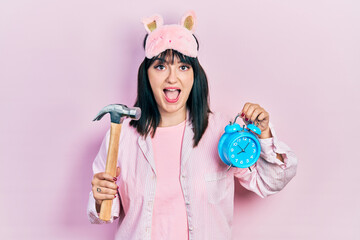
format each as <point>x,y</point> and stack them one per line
<point>172,183</point>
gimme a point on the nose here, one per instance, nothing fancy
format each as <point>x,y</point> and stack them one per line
<point>172,78</point>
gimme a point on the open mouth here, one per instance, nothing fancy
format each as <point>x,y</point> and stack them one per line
<point>172,94</point>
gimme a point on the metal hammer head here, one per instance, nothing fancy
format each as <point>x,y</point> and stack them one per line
<point>118,112</point>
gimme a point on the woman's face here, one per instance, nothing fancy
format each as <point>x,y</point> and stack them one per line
<point>171,84</point>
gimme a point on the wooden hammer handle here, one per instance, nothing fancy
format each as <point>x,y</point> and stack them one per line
<point>111,162</point>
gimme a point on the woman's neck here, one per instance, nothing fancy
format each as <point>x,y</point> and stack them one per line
<point>172,119</point>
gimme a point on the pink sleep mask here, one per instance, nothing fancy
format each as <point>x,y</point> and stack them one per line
<point>177,37</point>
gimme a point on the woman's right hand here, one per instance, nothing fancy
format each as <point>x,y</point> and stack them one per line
<point>104,187</point>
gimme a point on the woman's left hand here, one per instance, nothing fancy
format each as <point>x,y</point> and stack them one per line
<point>254,114</point>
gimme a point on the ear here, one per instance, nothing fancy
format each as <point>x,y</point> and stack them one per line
<point>152,23</point>
<point>189,21</point>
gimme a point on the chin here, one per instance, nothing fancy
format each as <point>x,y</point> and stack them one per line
<point>173,109</point>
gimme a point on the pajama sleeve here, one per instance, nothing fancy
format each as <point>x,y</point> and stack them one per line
<point>99,166</point>
<point>269,175</point>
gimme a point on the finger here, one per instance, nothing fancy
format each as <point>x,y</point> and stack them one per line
<point>98,180</point>
<point>117,171</point>
<point>255,114</point>
<point>263,116</point>
<point>245,108</point>
<point>103,191</point>
<point>98,196</point>
<point>105,176</point>
<point>107,184</point>
<point>250,111</point>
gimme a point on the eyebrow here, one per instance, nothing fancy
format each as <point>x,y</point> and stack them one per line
<point>162,60</point>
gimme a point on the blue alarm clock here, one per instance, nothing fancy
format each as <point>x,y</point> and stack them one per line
<point>238,147</point>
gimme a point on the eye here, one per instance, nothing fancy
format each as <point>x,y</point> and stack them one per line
<point>184,67</point>
<point>159,67</point>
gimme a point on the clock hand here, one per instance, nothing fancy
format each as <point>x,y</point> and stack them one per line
<point>246,147</point>
<point>242,150</point>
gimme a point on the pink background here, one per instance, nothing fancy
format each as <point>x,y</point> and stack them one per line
<point>62,61</point>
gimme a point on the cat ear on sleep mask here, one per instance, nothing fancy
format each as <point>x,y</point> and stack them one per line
<point>189,21</point>
<point>152,23</point>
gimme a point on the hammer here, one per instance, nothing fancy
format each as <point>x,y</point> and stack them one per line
<point>118,112</point>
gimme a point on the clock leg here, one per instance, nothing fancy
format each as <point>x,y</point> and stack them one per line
<point>229,168</point>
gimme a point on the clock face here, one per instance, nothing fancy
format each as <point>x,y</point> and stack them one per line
<point>243,151</point>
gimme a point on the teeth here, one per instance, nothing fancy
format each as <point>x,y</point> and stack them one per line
<point>171,90</point>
